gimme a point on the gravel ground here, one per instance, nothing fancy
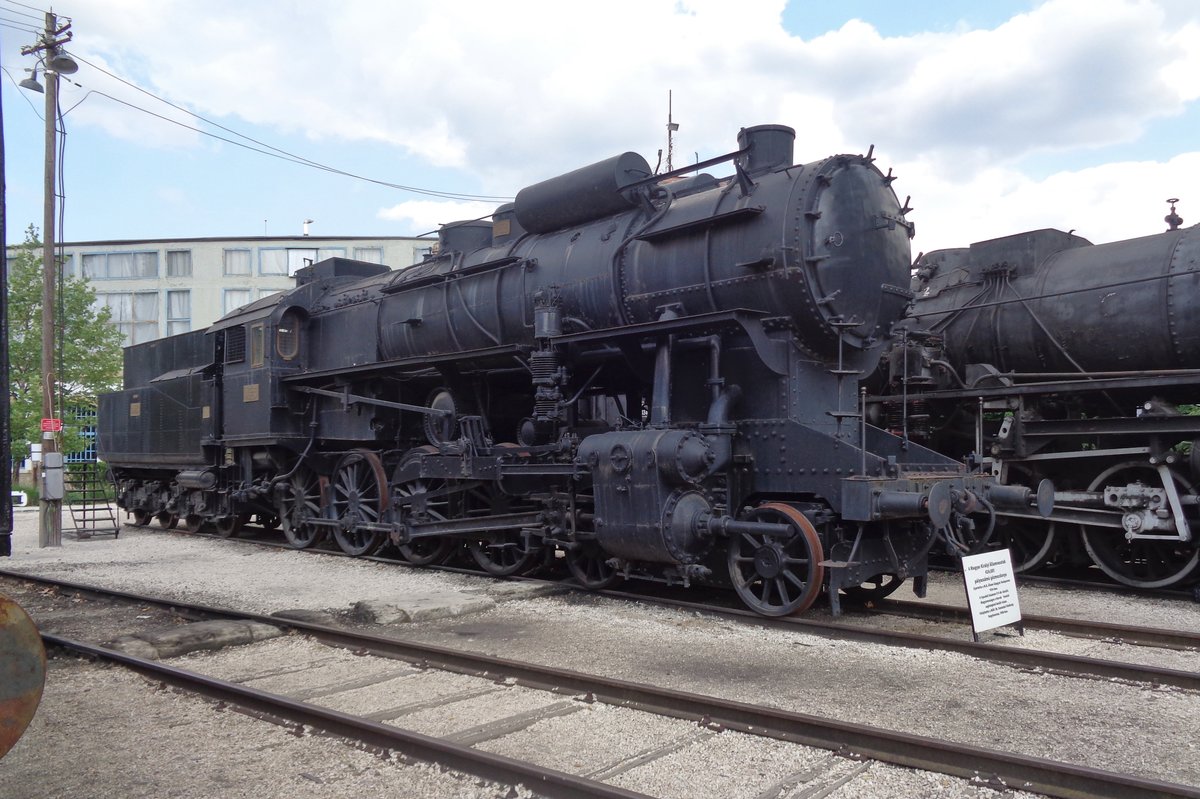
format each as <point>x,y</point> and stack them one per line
<point>1141,730</point>
<point>103,733</point>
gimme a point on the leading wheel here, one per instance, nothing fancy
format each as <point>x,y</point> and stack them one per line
<point>776,576</point>
<point>589,565</point>
<point>358,497</point>
<point>303,500</point>
<point>1140,562</point>
<point>141,517</point>
<point>166,521</point>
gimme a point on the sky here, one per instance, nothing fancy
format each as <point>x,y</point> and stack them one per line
<point>996,117</point>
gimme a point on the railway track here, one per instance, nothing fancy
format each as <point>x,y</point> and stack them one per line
<point>567,693</point>
<point>850,629</point>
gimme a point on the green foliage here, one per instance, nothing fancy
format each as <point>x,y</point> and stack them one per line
<point>88,364</point>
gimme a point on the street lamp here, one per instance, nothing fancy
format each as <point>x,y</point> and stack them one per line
<point>54,62</point>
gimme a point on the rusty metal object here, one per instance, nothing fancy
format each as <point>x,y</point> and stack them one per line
<point>22,672</point>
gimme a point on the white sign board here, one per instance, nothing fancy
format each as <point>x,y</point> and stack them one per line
<point>991,590</point>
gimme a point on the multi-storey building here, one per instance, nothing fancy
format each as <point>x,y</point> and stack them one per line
<point>160,288</point>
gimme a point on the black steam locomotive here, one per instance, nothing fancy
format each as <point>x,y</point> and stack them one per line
<point>643,375</point>
<point>1056,358</point>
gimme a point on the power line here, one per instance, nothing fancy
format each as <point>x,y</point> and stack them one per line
<point>38,16</point>
<point>17,25</point>
<point>271,150</point>
<point>24,95</point>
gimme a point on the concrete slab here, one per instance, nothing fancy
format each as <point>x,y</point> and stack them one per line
<point>203,635</point>
<point>421,607</point>
<point>504,591</point>
<point>305,615</point>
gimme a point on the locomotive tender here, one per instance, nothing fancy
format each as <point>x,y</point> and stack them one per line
<point>1057,358</point>
<point>646,375</point>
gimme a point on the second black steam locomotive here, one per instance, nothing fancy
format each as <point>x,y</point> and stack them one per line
<point>1053,357</point>
<point>646,375</point>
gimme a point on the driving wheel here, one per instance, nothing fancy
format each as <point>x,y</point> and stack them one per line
<point>358,497</point>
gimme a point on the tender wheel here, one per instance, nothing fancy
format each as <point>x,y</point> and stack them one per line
<point>505,554</point>
<point>141,517</point>
<point>1140,563</point>
<point>358,495</point>
<point>878,587</point>
<point>227,526</point>
<point>777,576</point>
<point>303,500</point>
<point>166,521</point>
<point>425,551</point>
<point>193,522</point>
<point>589,566</point>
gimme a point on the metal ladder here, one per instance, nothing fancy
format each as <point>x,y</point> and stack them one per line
<point>87,485</point>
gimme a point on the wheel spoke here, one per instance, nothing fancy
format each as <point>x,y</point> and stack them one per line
<point>793,579</point>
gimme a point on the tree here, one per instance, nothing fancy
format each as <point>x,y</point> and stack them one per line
<point>88,357</point>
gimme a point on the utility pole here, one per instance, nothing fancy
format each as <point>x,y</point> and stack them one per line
<point>6,511</point>
<point>53,62</point>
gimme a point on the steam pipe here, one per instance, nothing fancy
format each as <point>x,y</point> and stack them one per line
<point>660,402</point>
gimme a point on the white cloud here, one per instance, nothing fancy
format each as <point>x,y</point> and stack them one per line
<point>424,216</point>
<point>504,95</point>
<point>1102,203</point>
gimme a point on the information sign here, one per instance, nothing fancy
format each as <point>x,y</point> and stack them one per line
<point>991,591</point>
<point>52,425</point>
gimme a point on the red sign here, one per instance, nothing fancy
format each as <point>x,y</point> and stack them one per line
<point>52,425</point>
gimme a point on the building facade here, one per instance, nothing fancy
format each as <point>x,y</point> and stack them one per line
<point>160,288</point>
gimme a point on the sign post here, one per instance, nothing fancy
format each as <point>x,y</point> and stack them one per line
<point>991,591</point>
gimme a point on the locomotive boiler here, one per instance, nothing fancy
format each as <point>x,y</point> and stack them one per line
<point>1052,357</point>
<point>641,375</point>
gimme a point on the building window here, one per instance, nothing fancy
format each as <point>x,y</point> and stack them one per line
<point>235,344</point>
<point>237,262</point>
<point>299,258</point>
<point>69,266</point>
<point>258,346</point>
<point>179,263</point>
<point>120,265</point>
<point>179,312</point>
<point>372,255</point>
<point>272,262</point>
<point>232,299</point>
<point>134,313</point>
<point>285,261</point>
